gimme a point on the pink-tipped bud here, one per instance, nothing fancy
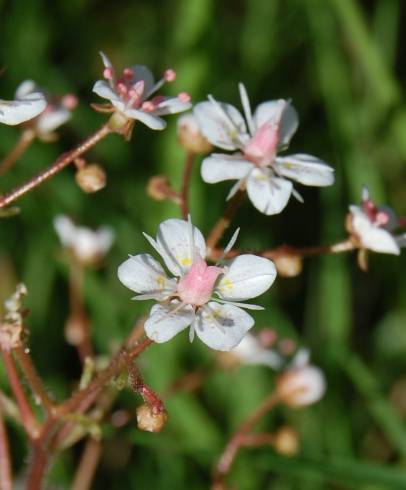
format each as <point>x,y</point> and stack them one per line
<point>184,97</point>
<point>150,420</point>
<point>196,286</point>
<point>303,386</point>
<point>148,106</point>
<point>128,73</point>
<point>91,178</point>
<point>70,101</point>
<point>108,73</point>
<point>169,75</point>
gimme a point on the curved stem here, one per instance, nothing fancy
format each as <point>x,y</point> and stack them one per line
<point>238,439</point>
<point>6,480</point>
<point>187,173</point>
<point>23,143</point>
<point>224,222</point>
<point>59,164</point>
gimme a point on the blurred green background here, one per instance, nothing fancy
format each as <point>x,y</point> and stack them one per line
<point>341,63</point>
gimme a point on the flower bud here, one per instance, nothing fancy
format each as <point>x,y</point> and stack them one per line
<point>91,178</point>
<point>288,265</point>
<point>301,386</point>
<point>75,328</point>
<point>150,420</point>
<point>190,136</point>
<point>286,441</point>
<point>159,188</point>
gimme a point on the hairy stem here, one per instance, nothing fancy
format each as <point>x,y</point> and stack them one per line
<point>60,163</point>
<point>23,143</point>
<point>187,173</point>
<point>224,222</point>
<point>6,480</point>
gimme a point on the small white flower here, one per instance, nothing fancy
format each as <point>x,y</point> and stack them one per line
<point>373,226</point>
<point>257,140</point>
<point>250,351</point>
<point>130,94</point>
<point>302,383</point>
<point>206,298</point>
<point>87,246</point>
<point>57,112</point>
<point>23,108</point>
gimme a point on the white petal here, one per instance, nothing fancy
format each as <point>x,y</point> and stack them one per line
<point>25,88</point>
<point>278,111</point>
<point>65,230</point>
<point>52,120</point>
<point>250,351</point>
<point>162,325</point>
<point>174,244</point>
<point>171,105</point>
<point>144,275</point>
<point>401,240</point>
<point>105,238</point>
<point>372,237</point>
<point>147,118</point>
<point>306,169</point>
<point>104,90</point>
<point>106,61</point>
<point>217,127</point>
<point>247,276</point>
<point>222,327</point>
<point>142,72</point>
<point>218,167</point>
<point>21,110</point>
<point>267,193</point>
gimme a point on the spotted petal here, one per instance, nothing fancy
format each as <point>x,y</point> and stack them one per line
<point>247,276</point>
<point>267,193</point>
<point>218,167</point>
<point>162,324</point>
<point>222,124</point>
<point>174,245</point>
<point>222,327</point>
<point>306,169</point>
<point>144,275</point>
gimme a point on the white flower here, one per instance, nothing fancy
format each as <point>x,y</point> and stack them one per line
<point>23,108</point>
<point>257,140</point>
<point>57,112</point>
<point>130,94</point>
<point>250,351</point>
<point>206,298</point>
<point>87,246</point>
<point>373,226</point>
<point>302,383</point>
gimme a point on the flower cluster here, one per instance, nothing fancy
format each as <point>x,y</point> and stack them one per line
<point>257,140</point>
<point>208,298</point>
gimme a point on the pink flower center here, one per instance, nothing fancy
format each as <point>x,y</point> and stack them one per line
<point>261,148</point>
<point>196,286</point>
<point>378,217</point>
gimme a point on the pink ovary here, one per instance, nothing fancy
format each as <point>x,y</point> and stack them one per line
<point>196,286</point>
<point>262,147</point>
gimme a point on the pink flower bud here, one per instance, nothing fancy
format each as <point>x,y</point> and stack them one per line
<point>303,386</point>
<point>286,441</point>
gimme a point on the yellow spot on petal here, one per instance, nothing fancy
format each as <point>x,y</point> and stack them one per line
<point>161,281</point>
<point>185,261</point>
<point>226,285</point>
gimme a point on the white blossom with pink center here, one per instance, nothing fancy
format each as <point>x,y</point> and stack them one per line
<point>257,139</point>
<point>131,94</point>
<point>208,298</point>
<point>374,226</point>
<point>57,112</point>
<point>22,109</point>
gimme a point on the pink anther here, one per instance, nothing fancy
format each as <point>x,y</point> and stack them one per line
<point>108,73</point>
<point>169,75</point>
<point>381,218</point>
<point>184,97</point>
<point>148,106</point>
<point>128,73</point>
<point>121,88</point>
<point>70,101</point>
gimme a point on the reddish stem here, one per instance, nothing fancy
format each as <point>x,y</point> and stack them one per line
<point>87,465</point>
<point>60,163</point>
<point>6,479</point>
<point>24,141</point>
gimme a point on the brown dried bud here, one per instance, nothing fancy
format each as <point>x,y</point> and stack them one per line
<point>288,265</point>
<point>149,419</point>
<point>286,441</point>
<point>191,137</point>
<point>91,178</point>
<point>159,188</point>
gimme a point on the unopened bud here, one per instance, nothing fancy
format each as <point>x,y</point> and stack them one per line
<point>288,265</point>
<point>91,178</point>
<point>75,328</point>
<point>302,386</point>
<point>149,419</point>
<point>190,135</point>
<point>286,441</point>
<point>159,188</point>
